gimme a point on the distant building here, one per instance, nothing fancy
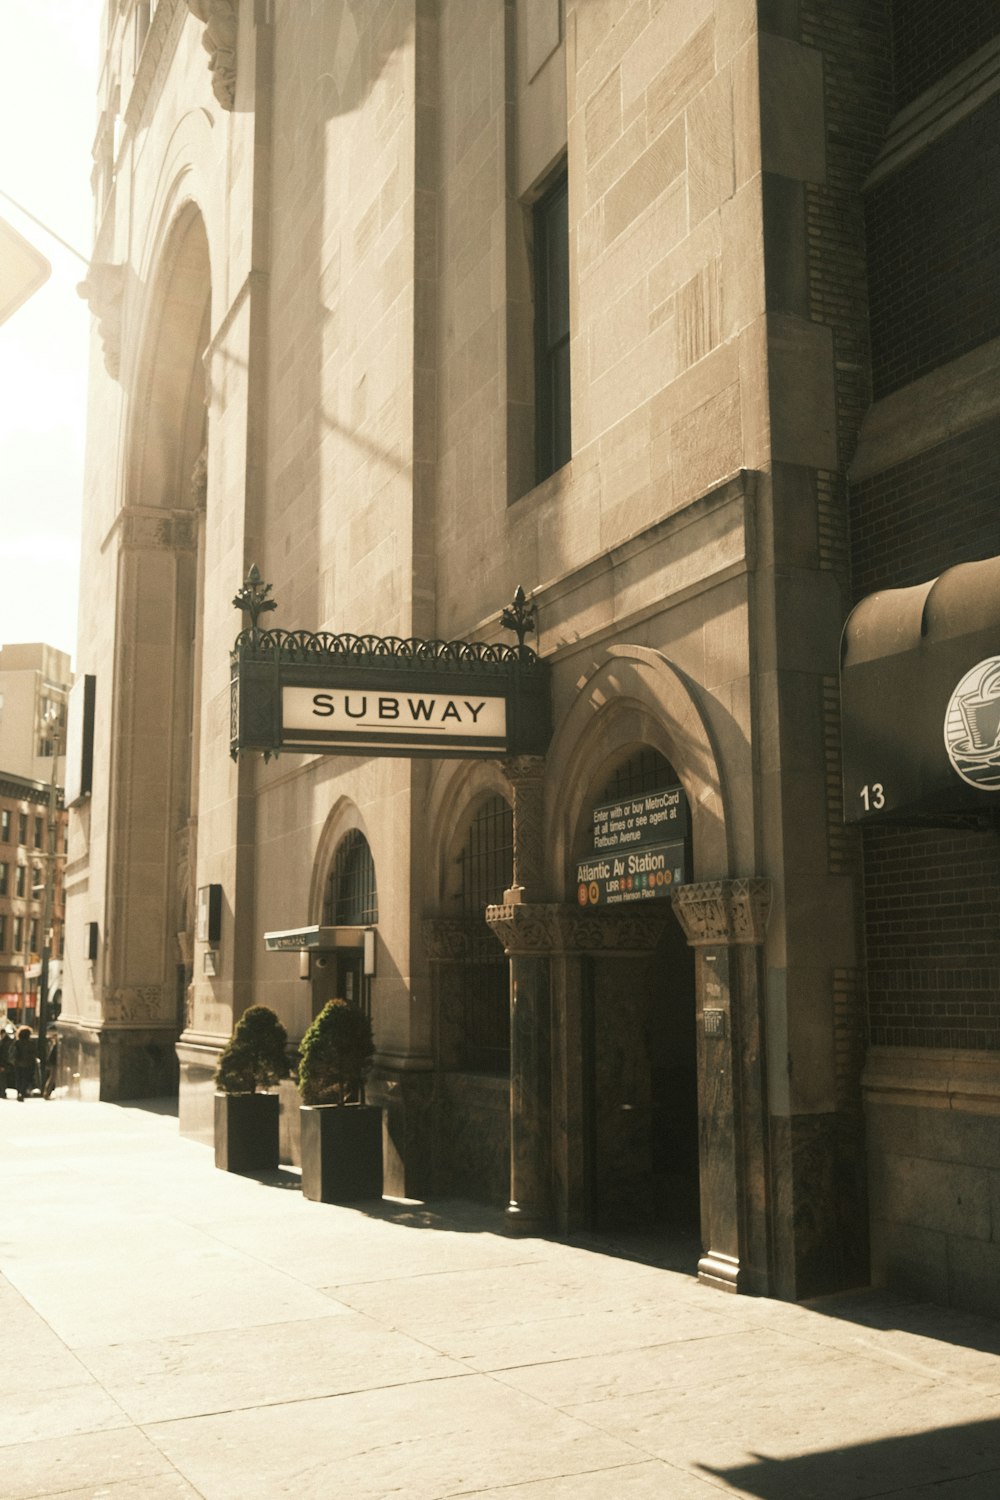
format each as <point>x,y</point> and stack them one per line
<point>24,862</point>
<point>34,684</point>
<point>685,317</point>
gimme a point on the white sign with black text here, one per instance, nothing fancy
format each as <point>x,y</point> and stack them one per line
<point>410,716</point>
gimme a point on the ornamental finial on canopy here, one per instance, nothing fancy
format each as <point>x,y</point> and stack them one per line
<point>252,597</point>
<point>519,616</point>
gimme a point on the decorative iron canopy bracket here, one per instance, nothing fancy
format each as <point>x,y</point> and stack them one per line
<point>313,691</point>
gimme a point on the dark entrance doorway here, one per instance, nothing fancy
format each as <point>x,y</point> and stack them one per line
<point>642,1088</point>
<point>338,975</point>
<point>640,1069</point>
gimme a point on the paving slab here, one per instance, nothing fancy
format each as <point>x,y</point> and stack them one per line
<point>173,1331</point>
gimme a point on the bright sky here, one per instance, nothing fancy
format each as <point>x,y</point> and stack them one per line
<point>48,117</point>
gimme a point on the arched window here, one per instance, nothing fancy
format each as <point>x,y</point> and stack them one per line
<point>645,771</point>
<point>486,865</point>
<point>351,896</point>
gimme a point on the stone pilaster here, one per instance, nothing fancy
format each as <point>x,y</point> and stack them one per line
<point>526,774</point>
<point>725,921</point>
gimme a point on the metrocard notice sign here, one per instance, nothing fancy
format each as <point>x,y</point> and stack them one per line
<point>640,849</point>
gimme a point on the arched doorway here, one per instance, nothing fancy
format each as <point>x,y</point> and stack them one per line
<point>638,1016</point>
<point>350,908</point>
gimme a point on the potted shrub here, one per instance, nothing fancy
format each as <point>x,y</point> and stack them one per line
<point>246,1122</point>
<point>341,1135</point>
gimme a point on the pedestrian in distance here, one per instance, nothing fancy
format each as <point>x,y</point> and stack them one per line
<point>51,1061</point>
<point>6,1058</point>
<point>25,1057</point>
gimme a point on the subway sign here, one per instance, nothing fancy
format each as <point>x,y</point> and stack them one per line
<point>308,693</point>
<point>640,849</point>
<point>368,717</point>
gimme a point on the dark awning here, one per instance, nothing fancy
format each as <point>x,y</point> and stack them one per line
<point>920,699</point>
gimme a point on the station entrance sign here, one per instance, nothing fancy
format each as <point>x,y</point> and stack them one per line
<point>640,849</point>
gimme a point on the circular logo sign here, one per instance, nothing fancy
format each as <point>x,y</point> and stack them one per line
<point>972,726</point>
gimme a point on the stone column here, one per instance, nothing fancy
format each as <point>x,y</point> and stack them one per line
<point>725,921</point>
<point>528,941</point>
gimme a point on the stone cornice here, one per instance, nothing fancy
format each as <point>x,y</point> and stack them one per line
<point>147,527</point>
<point>219,41</point>
<point>933,1078</point>
<point>724,912</point>
<point>541,928</point>
<point>938,110</point>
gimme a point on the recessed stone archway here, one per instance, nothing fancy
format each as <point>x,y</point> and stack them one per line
<point>636,696</point>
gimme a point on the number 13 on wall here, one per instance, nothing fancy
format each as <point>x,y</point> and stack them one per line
<point>873,796</point>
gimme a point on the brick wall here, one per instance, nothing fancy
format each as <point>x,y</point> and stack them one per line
<point>857,76</point>
<point>934,36</point>
<point>914,520</point>
<point>932,912</point>
<point>934,253</point>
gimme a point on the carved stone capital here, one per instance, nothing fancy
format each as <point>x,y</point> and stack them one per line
<point>152,529</point>
<point>104,292</point>
<point>725,912</point>
<point>543,928</point>
<point>447,939</point>
<point>219,41</point>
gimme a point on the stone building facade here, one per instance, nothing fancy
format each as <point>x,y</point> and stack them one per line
<point>411,302</point>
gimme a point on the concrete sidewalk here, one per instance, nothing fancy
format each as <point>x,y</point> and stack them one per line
<point>169,1330</point>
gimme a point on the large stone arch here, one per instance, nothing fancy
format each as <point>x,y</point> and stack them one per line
<point>636,697</point>
<point>156,713</point>
<point>168,410</point>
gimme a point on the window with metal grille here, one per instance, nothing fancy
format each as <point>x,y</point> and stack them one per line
<point>487,869</point>
<point>645,771</point>
<point>351,894</point>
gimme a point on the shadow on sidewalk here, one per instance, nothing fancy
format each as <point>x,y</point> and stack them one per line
<point>883,1310</point>
<point>960,1463</point>
<point>167,1106</point>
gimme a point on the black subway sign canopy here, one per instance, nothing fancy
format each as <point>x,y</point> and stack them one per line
<point>302,692</point>
<point>640,848</point>
<point>920,700</point>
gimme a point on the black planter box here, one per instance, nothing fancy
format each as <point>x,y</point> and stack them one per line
<point>341,1152</point>
<point>246,1132</point>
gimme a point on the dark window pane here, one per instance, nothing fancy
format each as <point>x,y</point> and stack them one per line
<point>552,365</point>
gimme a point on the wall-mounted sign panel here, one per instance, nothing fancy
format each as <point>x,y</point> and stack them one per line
<point>646,818</point>
<point>920,700</point>
<point>351,695</point>
<point>640,849</point>
<point>638,875</point>
<point>80,739</point>
<point>319,939</point>
<point>363,718</point>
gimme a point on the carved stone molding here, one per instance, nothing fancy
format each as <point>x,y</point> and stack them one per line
<point>219,41</point>
<point>543,928</point>
<point>447,939</point>
<point>724,912</point>
<point>104,291</point>
<point>135,1004</point>
<point>199,480</point>
<point>151,529</point>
